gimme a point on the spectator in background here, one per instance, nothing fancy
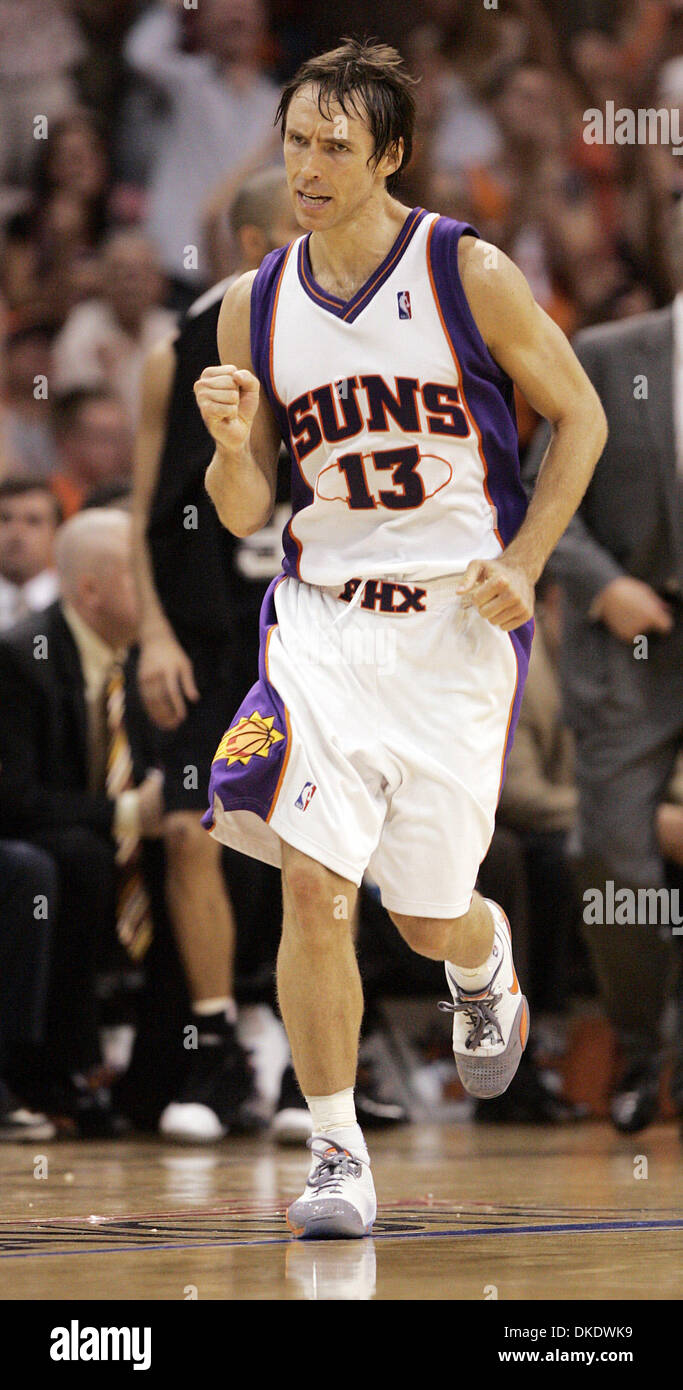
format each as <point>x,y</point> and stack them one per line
<point>221,107</point>
<point>623,185</point>
<point>104,341</point>
<point>103,25</point>
<point>670,836</point>
<point>459,130</point>
<point>539,801</point>
<point>29,517</point>
<point>529,855</point>
<point>27,876</point>
<point>62,736</point>
<point>40,47</point>
<point>27,426</point>
<point>621,565</point>
<point>669,94</point>
<point>532,120</point>
<point>94,443</point>
<point>670,818</point>
<point>50,246</point>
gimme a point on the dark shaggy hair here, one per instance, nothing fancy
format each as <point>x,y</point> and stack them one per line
<point>368,79</point>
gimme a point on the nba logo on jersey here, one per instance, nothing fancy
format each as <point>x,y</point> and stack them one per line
<point>403,298</point>
<point>305,795</point>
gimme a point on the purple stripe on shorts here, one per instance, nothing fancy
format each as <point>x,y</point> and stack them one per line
<point>259,733</point>
<point>488,390</point>
<point>521,638</point>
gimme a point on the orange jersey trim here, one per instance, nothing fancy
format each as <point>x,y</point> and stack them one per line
<point>272,326</point>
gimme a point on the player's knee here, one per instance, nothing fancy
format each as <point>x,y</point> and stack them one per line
<point>312,900</point>
<point>427,936</point>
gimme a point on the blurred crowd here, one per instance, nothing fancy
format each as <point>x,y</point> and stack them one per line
<point>128,130</point>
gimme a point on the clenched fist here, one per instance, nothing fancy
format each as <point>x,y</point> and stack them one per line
<point>228,400</point>
<point>502,593</point>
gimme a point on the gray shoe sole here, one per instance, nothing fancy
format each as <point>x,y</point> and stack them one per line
<point>486,1078</point>
<point>326,1220</point>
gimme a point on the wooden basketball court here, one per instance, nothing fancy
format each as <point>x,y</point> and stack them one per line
<point>465,1212</point>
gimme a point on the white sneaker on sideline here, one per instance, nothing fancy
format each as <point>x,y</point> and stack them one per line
<point>191,1123</point>
<point>490,1026</point>
<point>339,1199</point>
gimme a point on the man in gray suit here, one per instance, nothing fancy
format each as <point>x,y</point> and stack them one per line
<point>621,567</point>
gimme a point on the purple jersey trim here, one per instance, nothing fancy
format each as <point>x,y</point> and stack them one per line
<point>487,389</point>
<point>254,785</point>
<point>349,309</point>
<point>264,292</point>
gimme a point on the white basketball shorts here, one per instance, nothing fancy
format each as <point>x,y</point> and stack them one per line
<point>375,738</point>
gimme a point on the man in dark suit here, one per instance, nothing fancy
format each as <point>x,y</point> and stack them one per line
<point>27,887</point>
<point>621,566</point>
<point>60,789</point>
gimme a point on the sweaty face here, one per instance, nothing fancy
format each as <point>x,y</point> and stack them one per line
<point>328,161</point>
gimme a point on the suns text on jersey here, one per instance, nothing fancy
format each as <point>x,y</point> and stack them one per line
<point>339,410</point>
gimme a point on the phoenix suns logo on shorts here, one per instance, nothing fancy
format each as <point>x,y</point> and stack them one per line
<point>252,735</point>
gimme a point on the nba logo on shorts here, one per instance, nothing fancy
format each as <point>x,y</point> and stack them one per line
<point>305,795</point>
<point>403,298</point>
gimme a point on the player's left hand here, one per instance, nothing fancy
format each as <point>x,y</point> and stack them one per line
<point>502,593</point>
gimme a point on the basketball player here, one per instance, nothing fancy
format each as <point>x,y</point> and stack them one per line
<point>383,345</point>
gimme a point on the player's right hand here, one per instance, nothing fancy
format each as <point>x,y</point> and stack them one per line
<point>228,399</point>
<point>165,680</point>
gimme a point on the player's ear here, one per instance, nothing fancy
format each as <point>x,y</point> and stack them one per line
<point>392,159</point>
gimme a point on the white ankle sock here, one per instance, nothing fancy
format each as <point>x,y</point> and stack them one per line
<point>332,1112</point>
<point>350,1137</point>
<point>475,980</point>
<point>335,1118</point>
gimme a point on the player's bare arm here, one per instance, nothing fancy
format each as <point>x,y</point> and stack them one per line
<point>537,356</point>
<point>165,675</point>
<point>242,476</point>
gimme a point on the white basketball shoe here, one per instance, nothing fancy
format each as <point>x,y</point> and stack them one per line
<point>339,1199</point>
<point>491,1026</point>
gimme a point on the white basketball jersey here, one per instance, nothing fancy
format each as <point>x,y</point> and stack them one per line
<point>400,424</point>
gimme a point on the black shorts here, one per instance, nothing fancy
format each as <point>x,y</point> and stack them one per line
<point>185,754</point>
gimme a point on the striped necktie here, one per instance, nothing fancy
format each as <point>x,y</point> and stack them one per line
<point>134,923</point>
